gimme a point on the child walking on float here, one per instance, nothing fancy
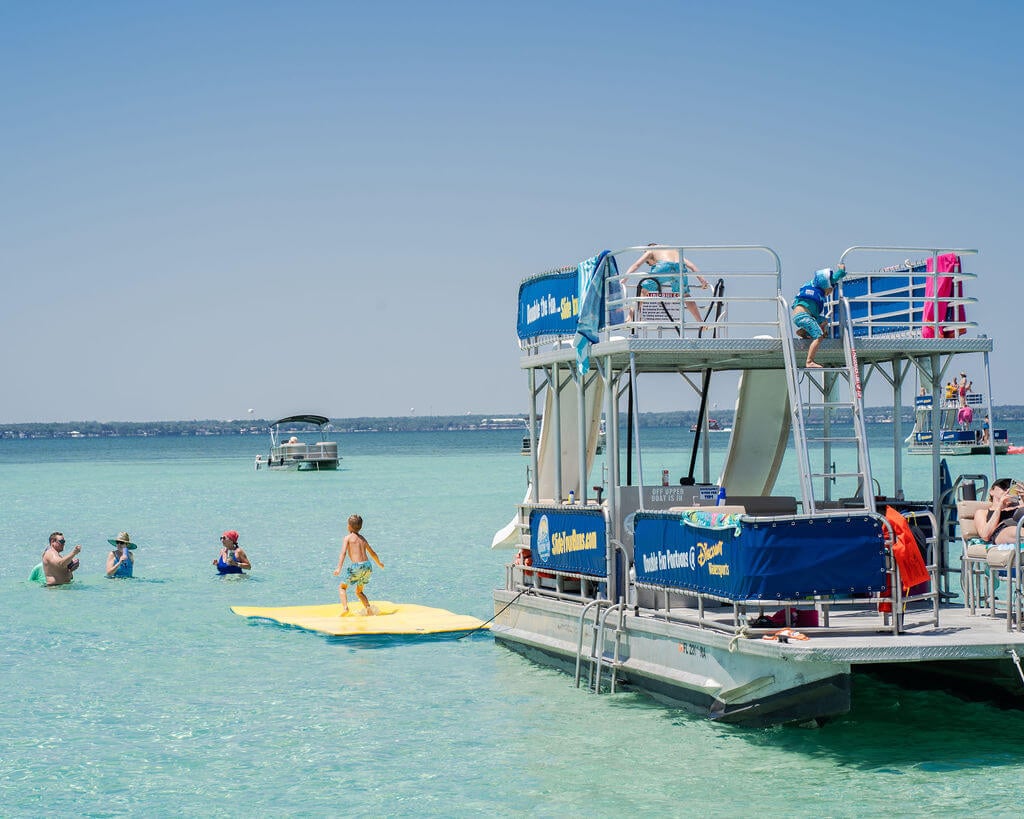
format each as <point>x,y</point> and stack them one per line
<point>356,548</point>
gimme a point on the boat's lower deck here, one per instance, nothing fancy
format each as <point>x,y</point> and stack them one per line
<point>862,636</point>
<point>702,660</point>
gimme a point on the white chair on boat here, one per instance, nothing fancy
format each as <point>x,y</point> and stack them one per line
<point>974,567</point>
<point>1004,562</point>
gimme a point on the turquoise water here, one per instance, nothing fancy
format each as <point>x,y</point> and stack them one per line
<point>149,696</point>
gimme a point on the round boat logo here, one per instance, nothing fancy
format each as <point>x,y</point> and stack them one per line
<point>543,539</point>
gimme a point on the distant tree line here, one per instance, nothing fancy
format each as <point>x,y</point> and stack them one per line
<point>410,423</point>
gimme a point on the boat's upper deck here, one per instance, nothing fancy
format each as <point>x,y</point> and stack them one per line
<point>897,311</point>
<point>674,354</point>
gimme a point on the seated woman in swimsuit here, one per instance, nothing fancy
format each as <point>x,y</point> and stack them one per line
<point>998,523</point>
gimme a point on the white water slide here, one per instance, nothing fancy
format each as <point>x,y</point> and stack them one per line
<point>760,432</point>
<point>546,450</point>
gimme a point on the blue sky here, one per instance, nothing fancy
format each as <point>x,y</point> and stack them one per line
<point>328,207</point>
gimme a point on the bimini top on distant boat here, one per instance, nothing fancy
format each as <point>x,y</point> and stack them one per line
<point>288,452</point>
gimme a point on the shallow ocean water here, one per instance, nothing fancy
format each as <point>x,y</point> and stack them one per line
<point>149,696</point>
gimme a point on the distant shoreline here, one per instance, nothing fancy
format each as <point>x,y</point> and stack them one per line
<point>412,423</point>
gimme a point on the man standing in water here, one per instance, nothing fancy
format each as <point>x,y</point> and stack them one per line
<point>58,568</point>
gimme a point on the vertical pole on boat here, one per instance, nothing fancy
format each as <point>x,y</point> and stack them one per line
<point>611,447</point>
<point>936,443</point>
<point>899,372</point>
<point>629,432</point>
<point>611,454</point>
<point>581,436</point>
<point>534,456</point>
<point>828,390</point>
<point>556,427</point>
<point>636,426</point>
<point>701,429</point>
<point>991,420</point>
<point>706,447</point>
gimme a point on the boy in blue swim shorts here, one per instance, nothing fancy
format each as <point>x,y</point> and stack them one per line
<point>809,305</point>
<point>668,269</point>
<point>357,549</point>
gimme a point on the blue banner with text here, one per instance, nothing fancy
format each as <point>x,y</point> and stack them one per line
<point>549,304</point>
<point>570,541</point>
<point>837,555</point>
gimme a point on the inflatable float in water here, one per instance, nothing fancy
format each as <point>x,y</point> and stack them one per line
<point>405,619</point>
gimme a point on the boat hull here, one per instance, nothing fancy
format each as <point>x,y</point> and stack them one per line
<point>972,449</point>
<point>303,466</point>
<point>692,668</point>
<point>317,466</point>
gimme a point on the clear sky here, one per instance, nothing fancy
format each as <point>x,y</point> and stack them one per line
<point>328,206</point>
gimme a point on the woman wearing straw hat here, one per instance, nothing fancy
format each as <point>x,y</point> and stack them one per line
<point>120,561</point>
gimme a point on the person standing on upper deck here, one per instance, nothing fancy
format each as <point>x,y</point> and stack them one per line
<point>664,270</point>
<point>962,388</point>
<point>809,305</point>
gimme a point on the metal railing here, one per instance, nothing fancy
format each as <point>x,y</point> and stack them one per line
<point>894,302</point>
<point>655,305</point>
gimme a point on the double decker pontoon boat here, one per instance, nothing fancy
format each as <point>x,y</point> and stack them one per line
<point>964,427</point>
<point>718,594</point>
<point>287,451</point>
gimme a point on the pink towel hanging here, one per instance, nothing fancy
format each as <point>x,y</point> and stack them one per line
<point>947,263</point>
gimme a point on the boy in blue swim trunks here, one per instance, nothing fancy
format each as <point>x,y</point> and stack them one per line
<point>809,305</point>
<point>665,270</point>
<point>356,549</point>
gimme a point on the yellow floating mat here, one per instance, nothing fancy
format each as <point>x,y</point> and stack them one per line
<point>390,618</point>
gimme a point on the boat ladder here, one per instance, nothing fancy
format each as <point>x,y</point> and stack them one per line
<point>595,656</point>
<point>831,393</point>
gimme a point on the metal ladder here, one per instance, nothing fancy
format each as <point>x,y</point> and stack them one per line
<point>830,390</point>
<point>595,656</point>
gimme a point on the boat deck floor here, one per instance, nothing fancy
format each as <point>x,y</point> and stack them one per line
<point>860,636</point>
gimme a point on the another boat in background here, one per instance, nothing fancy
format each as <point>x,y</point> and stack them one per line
<point>294,454</point>
<point>963,428</point>
<point>713,426</point>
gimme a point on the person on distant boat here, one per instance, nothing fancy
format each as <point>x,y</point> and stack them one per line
<point>58,568</point>
<point>962,388</point>
<point>998,523</point>
<point>664,269</point>
<point>121,561</point>
<point>232,558</point>
<point>356,548</point>
<point>808,306</point>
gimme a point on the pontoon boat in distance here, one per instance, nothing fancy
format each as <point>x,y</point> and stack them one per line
<point>288,452</point>
<point>655,588</point>
<point>962,430</point>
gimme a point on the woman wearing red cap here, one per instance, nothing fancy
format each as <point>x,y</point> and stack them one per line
<point>232,558</point>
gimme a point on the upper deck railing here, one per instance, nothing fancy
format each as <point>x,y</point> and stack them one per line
<point>744,282</point>
<point>907,299</point>
<point>737,302</point>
